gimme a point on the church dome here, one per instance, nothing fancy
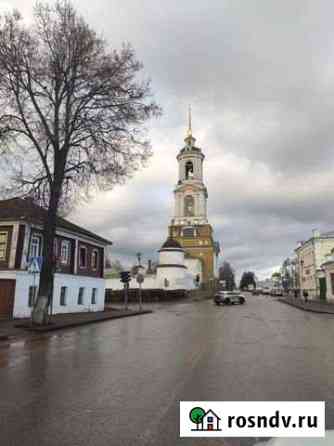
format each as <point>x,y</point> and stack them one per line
<point>170,243</point>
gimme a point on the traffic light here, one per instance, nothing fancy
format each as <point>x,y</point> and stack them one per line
<point>125,276</point>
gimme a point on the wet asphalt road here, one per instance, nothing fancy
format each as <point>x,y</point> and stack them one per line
<point>120,382</point>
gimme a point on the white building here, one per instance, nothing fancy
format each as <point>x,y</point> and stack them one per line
<point>328,272</point>
<point>79,283</point>
<point>172,272</point>
<point>311,255</point>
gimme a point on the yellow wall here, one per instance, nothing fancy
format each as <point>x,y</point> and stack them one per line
<point>199,247</point>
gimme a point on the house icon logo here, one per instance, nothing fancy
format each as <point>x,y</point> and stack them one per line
<point>204,420</point>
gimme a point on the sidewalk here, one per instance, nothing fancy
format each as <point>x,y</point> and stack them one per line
<point>22,328</point>
<point>314,306</point>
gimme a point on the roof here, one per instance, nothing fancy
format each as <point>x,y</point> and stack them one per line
<point>171,243</point>
<point>25,209</point>
<point>322,235</point>
<point>210,411</point>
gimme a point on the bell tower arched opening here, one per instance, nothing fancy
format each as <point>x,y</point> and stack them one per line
<point>189,170</point>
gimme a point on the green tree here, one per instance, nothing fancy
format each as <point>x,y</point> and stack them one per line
<point>226,273</point>
<point>196,415</point>
<point>72,115</point>
<point>247,278</point>
<point>115,268</point>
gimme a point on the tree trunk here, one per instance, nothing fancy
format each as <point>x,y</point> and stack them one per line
<point>40,311</point>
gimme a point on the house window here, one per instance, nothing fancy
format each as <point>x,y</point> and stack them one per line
<point>83,257</point>
<point>3,245</point>
<point>63,292</point>
<point>81,296</point>
<point>210,419</point>
<point>65,252</point>
<point>35,245</point>
<point>94,293</point>
<point>32,296</point>
<point>95,259</point>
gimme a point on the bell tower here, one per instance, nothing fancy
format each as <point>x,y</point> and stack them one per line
<point>190,226</point>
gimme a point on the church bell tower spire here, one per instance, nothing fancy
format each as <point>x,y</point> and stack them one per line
<point>189,139</point>
<point>190,226</point>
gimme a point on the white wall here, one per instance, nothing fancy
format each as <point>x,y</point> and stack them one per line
<point>171,257</point>
<point>116,284</point>
<point>24,280</point>
<point>178,278</point>
<point>194,267</point>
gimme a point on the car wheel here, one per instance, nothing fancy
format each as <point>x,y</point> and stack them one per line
<point>242,300</point>
<point>227,301</point>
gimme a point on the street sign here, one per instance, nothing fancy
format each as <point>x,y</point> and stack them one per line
<point>140,278</point>
<point>35,264</point>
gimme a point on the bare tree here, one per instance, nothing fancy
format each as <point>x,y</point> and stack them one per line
<point>71,115</point>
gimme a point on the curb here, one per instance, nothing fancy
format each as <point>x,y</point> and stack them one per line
<point>80,323</point>
<point>301,307</point>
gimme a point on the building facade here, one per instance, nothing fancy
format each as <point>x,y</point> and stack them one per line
<point>79,283</point>
<point>311,255</point>
<point>328,272</point>
<point>190,225</point>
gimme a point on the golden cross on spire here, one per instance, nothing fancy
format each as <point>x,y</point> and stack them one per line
<point>189,133</point>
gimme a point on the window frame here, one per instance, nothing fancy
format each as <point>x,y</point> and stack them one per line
<point>63,260</point>
<point>93,296</point>
<point>63,296</point>
<point>35,236</point>
<point>95,251</point>
<point>81,296</point>
<point>189,206</point>
<point>32,295</point>
<point>6,233</point>
<point>86,255</point>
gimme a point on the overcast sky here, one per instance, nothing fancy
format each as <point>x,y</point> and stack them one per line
<point>260,78</point>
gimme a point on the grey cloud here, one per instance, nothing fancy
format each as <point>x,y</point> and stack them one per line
<point>260,78</point>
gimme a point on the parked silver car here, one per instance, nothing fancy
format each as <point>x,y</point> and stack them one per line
<point>229,298</point>
<point>276,291</point>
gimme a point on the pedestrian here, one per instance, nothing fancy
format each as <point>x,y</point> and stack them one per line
<point>305,294</point>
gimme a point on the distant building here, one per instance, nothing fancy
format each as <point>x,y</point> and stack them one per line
<point>79,283</point>
<point>311,255</point>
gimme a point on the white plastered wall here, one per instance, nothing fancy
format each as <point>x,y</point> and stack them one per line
<point>24,280</point>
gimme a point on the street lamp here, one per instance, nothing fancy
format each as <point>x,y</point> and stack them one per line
<point>140,280</point>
